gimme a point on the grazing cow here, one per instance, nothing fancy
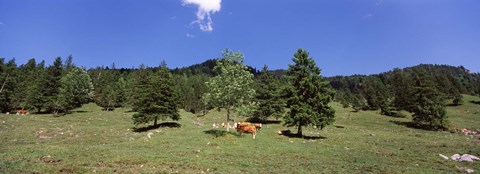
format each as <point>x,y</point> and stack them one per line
<point>245,127</point>
<point>23,112</point>
<point>258,125</point>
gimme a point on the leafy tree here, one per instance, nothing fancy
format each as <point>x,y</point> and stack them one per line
<point>267,97</point>
<point>429,110</point>
<point>76,89</point>
<point>232,87</point>
<point>308,94</point>
<point>156,98</point>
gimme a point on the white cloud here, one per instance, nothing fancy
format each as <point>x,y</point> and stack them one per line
<point>204,12</point>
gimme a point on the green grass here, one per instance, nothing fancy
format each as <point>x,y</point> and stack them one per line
<point>91,140</point>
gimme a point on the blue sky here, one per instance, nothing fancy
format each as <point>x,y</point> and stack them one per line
<point>343,36</point>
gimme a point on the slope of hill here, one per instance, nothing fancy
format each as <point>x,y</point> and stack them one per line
<point>95,141</point>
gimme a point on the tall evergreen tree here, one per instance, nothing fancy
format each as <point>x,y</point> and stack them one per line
<point>26,76</point>
<point>429,110</point>
<point>308,94</point>
<point>267,97</point>
<point>403,90</point>
<point>36,91</point>
<point>156,99</point>
<point>52,84</point>
<point>7,90</point>
<point>232,87</point>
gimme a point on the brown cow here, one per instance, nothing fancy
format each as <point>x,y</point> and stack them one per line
<point>23,112</point>
<point>245,127</point>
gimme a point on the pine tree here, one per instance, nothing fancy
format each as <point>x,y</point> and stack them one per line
<point>267,97</point>
<point>232,87</point>
<point>9,82</point>
<point>76,89</point>
<point>429,111</point>
<point>52,84</point>
<point>358,102</point>
<point>156,99</point>
<point>308,94</point>
<point>36,91</point>
<point>403,90</point>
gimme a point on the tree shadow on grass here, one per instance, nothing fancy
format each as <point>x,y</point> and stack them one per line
<point>81,111</point>
<point>474,102</point>
<point>257,120</point>
<point>416,126</point>
<point>220,133</point>
<point>306,137</point>
<point>165,124</point>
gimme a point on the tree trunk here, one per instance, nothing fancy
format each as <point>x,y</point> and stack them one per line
<point>155,122</point>
<point>299,131</point>
<point>228,118</point>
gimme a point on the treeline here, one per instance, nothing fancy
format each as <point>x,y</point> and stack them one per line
<point>62,86</point>
<point>57,88</point>
<point>395,90</point>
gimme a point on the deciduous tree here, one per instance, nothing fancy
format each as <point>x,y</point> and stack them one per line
<point>232,88</point>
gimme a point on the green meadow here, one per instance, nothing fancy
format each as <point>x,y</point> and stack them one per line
<point>94,141</point>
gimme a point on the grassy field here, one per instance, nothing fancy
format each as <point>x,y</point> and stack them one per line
<point>95,141</point>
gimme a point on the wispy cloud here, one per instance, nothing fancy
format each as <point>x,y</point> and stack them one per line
<point>190,35</point>
<point>206,8</point>
<point>368,16</point>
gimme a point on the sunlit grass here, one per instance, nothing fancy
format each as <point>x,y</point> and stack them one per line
<point>92,140</point>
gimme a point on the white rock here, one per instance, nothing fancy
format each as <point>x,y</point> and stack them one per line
<point>469,170</point>
<point>149,135</point>
<point>468,158</point>
<point>444,157</point>
<point>455,157</point>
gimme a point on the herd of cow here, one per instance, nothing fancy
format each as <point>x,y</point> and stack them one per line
<point>20,112</point>
<point>242,127</point>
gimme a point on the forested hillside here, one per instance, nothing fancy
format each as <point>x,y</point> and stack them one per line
<point>35,86</point>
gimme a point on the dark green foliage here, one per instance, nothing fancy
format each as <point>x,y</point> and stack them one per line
<point>110,88</point>
<point>308,94</point>
<point>9,82</point>
<point>429,111</point>
<point>37,90</point>
<point>403,90</point>
<point>375,93</point>
<point>267,96</point>
<point>76,89</point>
<point>155,97</point>
<point>358,102</point>
<point>52,84</point>
<point>191,89</point>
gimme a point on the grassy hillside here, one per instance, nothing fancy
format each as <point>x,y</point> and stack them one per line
<point>91,140</point>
